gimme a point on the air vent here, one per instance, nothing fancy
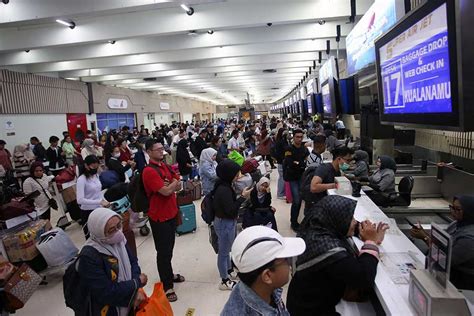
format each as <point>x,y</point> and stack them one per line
<point>269,71</point>
<point>149,79</point>
<point>275,88</point>
<point>200,92</point>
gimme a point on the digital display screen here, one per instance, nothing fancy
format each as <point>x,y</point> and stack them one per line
<point>310,104</point>
<point>360,41</point>
<point>415,68</point>
<point>326,93</point>
<point>440,255</point>
<point>418,300</point>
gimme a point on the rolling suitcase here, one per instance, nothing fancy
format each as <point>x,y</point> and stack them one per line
<point>188,214</point>
<point>195,187</point>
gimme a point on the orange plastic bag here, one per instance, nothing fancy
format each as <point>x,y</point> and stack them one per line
<point>157,304</point>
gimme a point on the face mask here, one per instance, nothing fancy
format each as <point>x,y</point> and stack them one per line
<point>116,238</point>
<point>345,166</point>
<point>116,155</point>
<point>92,171</point>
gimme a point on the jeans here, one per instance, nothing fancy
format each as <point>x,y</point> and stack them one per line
<point>164,237</point>
<point>295,187</point>
<point>225,230</point>
<point>281,182</point>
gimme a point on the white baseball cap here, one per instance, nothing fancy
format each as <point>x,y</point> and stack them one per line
<point>256,246</point>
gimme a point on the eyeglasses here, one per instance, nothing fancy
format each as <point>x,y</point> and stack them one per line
<point>114,229</point>
<point>454,208</point>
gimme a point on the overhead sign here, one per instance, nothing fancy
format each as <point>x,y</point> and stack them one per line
<point>415,68</point>
<point>328,70</point>
<point>310,86</point>
<point>117,103</point>
<point>381,16</point>
<point>164,106</point>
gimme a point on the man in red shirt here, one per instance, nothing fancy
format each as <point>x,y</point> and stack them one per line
<point>161,183</point>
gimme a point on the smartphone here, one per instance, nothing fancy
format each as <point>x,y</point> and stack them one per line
<point>411,224</point>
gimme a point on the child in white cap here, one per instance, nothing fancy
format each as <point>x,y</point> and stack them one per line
<point>262,258</point>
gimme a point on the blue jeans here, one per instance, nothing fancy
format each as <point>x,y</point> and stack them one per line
<point>281,182</point>
<point>225,230</point>
<point>295,187</point>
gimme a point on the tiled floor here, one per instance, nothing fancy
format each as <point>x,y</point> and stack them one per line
<point>193,258</point>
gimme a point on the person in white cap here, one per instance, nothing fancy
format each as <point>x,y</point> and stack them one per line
<point>262,258</point>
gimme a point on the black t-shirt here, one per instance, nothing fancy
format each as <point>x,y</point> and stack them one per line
<point>293,171</point>
<point>328,174</point>
<point>248,137</point>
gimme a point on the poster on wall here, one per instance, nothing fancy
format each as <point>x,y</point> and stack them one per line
<point>415,68</point>
<point>117,103</point>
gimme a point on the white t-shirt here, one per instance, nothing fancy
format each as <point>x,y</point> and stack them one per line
<point>233,144</point>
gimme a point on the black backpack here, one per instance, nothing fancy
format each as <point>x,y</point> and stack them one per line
<point>207,211</point>
<point>76,296</point>
<point>308,174</point>
<point>137,193</point>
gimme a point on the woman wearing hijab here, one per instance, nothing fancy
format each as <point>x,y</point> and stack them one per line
<point>39,181</point>
<point>383,181</point>
<point>361,159</point>
<point>462,233</point>
<point>226,205</point>
<point>108,269</point>
<point>183,159</point>
<point>88,148</point>
<point>89,190</point>
<point>260,212</point>
<point>331,263</point>
<point>207,169</point>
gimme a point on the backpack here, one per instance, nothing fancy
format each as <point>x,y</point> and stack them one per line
<point>249,166</point>
<point>108,178</point>
<point>308,174</point>
<point>136,190</point>
<point>207,211</point>
<point>75,295</point>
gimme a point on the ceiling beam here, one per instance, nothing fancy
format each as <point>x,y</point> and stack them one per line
<point>222,15</point>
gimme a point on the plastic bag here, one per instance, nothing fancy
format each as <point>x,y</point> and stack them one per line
<point>56,247</point>
<point>156,304</point>
<point>236,157</point>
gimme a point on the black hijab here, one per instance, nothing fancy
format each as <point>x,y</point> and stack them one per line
<point>182,149</point>
<point>324,231</point>
<point>227,170</point>
<point>387,162</point>
<point>467,204</point>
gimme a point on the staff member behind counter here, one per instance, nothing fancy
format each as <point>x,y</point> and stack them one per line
<point>462,233</point>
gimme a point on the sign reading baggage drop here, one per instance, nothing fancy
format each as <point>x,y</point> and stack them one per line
<point>415,68</point>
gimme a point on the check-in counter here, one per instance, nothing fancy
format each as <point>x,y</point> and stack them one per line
<point>392,295</point>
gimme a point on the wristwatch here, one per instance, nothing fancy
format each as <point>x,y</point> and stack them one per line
<point>426,238</point>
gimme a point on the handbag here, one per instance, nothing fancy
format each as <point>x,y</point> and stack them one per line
<point>156,304</point>
<point>56,247</point>
<point>51,202</point>
<point>21,286</point>
<point>6,271</point>
<point>184,197</point>
<point>213,238</point>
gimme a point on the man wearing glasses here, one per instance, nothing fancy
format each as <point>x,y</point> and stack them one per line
<point>160,184</point>
<point>325,174</point>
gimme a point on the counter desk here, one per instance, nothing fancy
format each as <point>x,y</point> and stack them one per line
<point>391,282</point>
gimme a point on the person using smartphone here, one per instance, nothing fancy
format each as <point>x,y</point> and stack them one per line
<point>462,233</point>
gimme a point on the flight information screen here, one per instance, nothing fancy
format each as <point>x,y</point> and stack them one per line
<point>415,68</point>
<point>325,91</point>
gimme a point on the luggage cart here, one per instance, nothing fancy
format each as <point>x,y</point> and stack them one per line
<point>63,221</point>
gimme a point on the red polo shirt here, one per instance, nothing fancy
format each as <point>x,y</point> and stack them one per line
<point>162,208</point>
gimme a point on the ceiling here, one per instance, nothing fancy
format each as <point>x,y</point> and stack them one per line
<point>154,50</point>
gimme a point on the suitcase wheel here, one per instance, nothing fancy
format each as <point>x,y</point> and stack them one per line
<point>144,231</point>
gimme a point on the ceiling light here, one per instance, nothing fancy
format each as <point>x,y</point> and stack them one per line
<point>27,50</point>
<point>210,32</point>
<point>189,10</point>
<point>71,24</point>
<point>5,1</point>
<point>321,22</point>
<point>269,24</point>
<point>111,42</point>
<point>192,33</point>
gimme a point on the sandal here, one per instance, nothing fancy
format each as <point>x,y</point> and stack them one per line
<point>178,278</point>
<point>171,295</point>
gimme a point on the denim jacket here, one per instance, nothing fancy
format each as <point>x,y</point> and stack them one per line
<point>208,175</point>
<point>244,301</point>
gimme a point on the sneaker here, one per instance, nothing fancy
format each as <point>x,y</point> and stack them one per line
<point>227,285</point>
<point>233,276</point>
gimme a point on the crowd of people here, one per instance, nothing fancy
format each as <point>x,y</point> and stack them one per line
<point>308,157</point>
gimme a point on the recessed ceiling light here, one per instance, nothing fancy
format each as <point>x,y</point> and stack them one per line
<point>111,42</point>
<point>71,24</point>
<point>210,32</point>
<point>189,10</point>
<point>269,24</point>
<point>27,50</point>
<point>5,1</point>
<point>321,22</point>
<point>192,33</point>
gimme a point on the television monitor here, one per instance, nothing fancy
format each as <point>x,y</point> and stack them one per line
<point>310,104</point>
<point>379,18</point>
<point>318,101</point>
<point>423,79</point>
<point>348,93</point>
<point>327,104</point>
